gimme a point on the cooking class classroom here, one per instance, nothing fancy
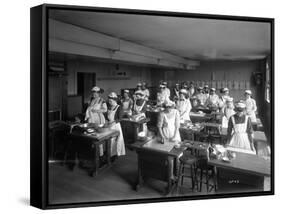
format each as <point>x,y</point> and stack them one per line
<point>144,106</point>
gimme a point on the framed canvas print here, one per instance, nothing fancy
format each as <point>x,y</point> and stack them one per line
<point>121,113</point>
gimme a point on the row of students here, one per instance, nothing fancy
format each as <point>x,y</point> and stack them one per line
<point>239,132</point>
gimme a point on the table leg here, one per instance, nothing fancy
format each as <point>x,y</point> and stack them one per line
<point>136,127</point>
<point>108,149</point>
<point>140,178</point>
<point>94,172</point>
<point>170,174</point>
<point>215,178</point>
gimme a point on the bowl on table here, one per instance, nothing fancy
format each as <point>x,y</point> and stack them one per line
<point>142,136</point>
<point>101,128</point>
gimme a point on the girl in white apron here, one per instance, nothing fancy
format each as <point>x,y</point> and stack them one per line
<point>127,104</point>
<point>177,91</point>
<point>239,134</point>
<point>117,144</point>
<point>169,123</point>
<point>228,112</point>
<point>96,108</point>
<point>223,98</point>
<point>139,106</point>
<point>251,106</point>
<point>213,99</point>
<point>183,105</point>
<point>145,91</point>
<point>200,96</point>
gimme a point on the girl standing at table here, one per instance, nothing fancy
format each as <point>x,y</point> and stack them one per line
<point>176,91</point>
<point>169,123</point>
<point>127,104</point>
<point>162,95</point>
<point>145,91</point>
<point>240,129</point>
<point>228,112</point>
<point>183,105</point>
<point>251,106</point>
<point>114,115</point>
<point>223,98</point>
<point>200,96</point>
<point>139,106</point>
<point>213,99</point>
<point>97,107</point>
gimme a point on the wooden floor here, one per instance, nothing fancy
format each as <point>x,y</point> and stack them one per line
<point>116,183</point>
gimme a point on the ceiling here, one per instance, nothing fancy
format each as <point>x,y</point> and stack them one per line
<point>202,39</point>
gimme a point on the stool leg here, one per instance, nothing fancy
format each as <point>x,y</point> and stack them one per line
<point>215,178</point>
<point>182,174</point>
<point>201,177</point>
<point>179,175</point>
<point>192,177</point>
<point>207,179</point>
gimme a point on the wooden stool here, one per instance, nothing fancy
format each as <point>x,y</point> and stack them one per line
<point>209,172</point>
<point>187,162</point>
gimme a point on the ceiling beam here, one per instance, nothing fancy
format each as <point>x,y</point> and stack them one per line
<point>68,36</point>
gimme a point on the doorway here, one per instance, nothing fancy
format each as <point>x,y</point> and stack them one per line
<point>85,82</point>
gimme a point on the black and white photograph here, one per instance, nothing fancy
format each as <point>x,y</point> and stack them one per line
<point>157,106</point>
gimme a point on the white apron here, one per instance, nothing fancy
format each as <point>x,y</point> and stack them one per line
<point>138,108</point>
<point>125,107</point>
<point>177,93</point>
<point>250,109</point>
<point>184,108</point>
<point>191,91</point>
<point>227,114</point>
<point>213,100</point>
<point>169,126</point>
<point>117,144</point>
<point>95,117</point>
<point>201,98</point>
<point>240,137</point>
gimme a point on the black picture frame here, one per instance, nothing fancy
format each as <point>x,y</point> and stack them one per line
<point>39,102</point>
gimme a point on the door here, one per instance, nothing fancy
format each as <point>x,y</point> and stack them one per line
<point>85,82</point>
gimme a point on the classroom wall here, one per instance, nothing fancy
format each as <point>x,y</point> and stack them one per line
<point>106,75</point>
<point>221,71</point>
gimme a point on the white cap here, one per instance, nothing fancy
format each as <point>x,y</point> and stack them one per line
<point>112,95</point>
<point>168,103</point>
<point>240,105</point>
<point>140,92</point>
<point>96,89</point>
<point>229,99</point>
<point>126,91</point>
<point>248,92</point>
<point>225,89</point>
<point>139,84</point>
<point>164,83</point>
<point>213,89</point>
<point>183,91</point>
<point>162,86</point>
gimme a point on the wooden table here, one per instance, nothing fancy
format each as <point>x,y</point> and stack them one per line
<point>258,138</point>
<point>246,169</point>
<point>131,129</point>
<point>199,117</point>
<point>81,142</point>
<point>188,133</point>
<point>157,163</point>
